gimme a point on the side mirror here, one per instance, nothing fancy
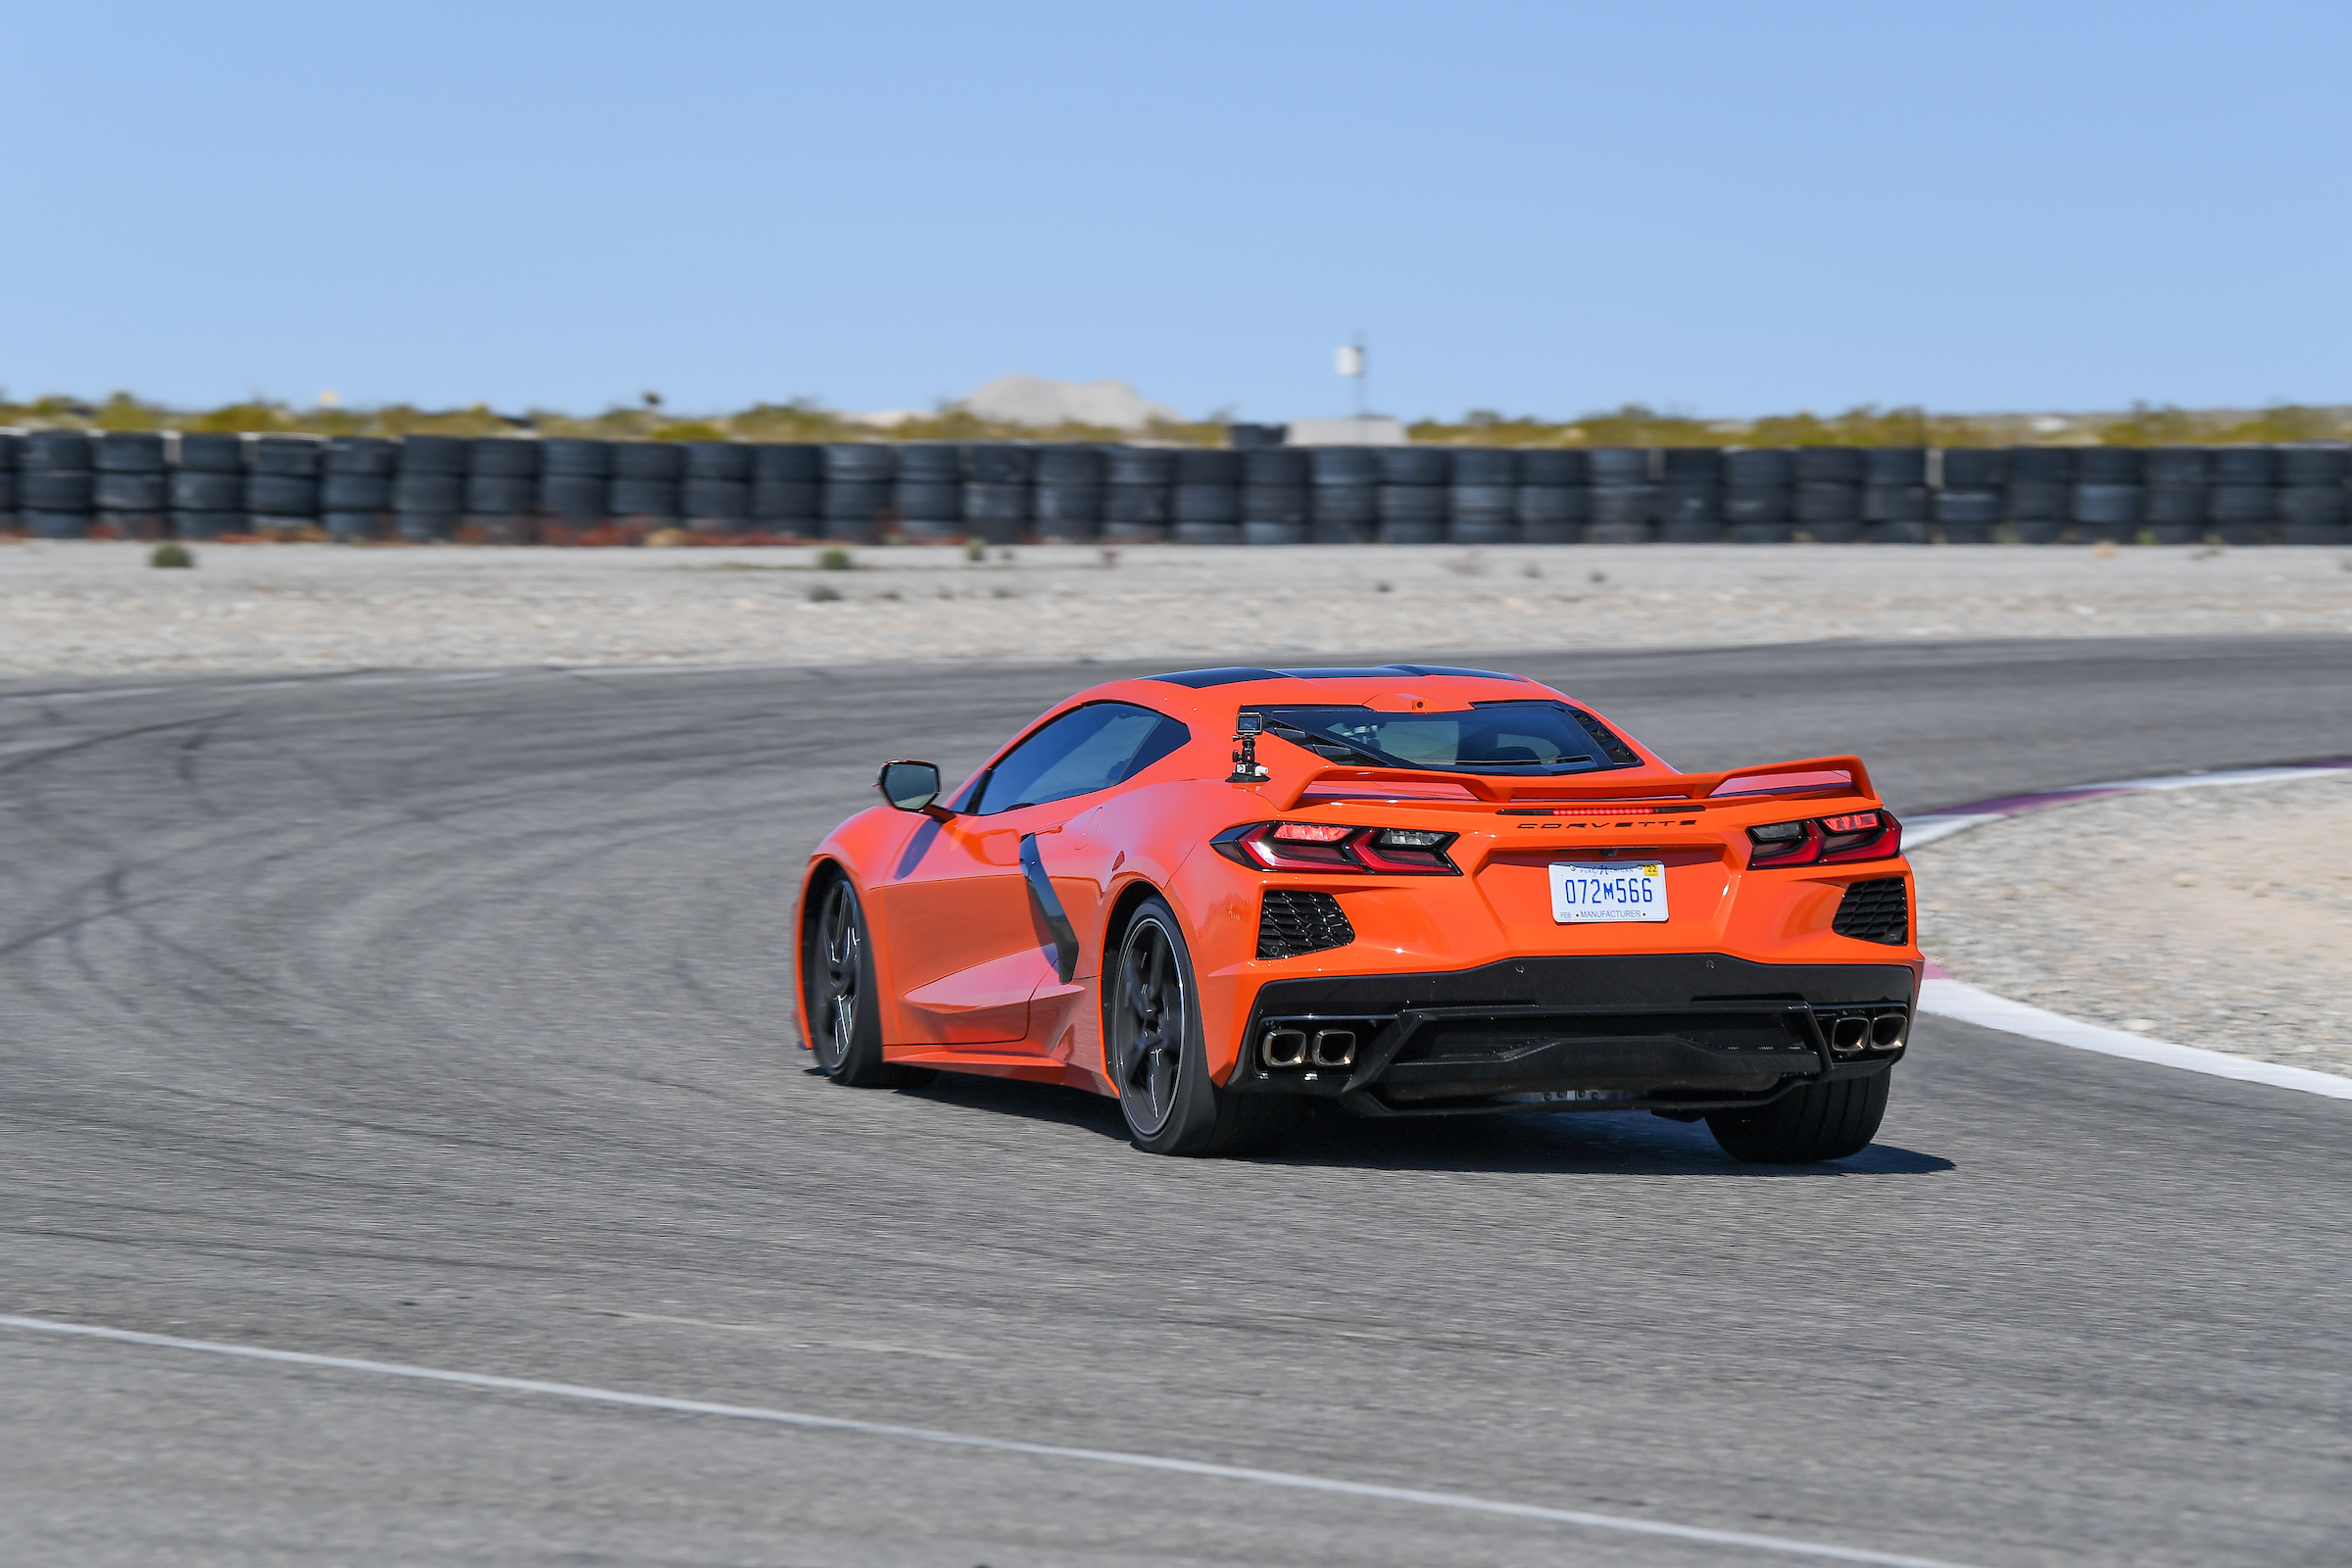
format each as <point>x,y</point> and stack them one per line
<point>908,786</point>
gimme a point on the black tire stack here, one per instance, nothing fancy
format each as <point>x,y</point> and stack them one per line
<point>788,500</point>
<point>1691,495</point>
<point>1413,494</point>
<point>428,489</point>
<point>1625,496</point>
<point>1206,503</point>
<point>1482,502</point>
<point>644,492</point>
<point>2241,503</point>
<point>2310,494</point>
<point>12,442</point>
<point>1554,501</point>
<point>207,487</point>
<point>1140,485</point>
<point>575,482</point>
<point>1344,503</point>
<point>715,497</point>
<point>55,484</point>
<point>2039,498</point>
<point>1894,495</point>
<point>1275,495</point>
<point>995,491</point>
<point>2172,503</point>
<point>1067,506</point>
<point>130,494</point>
<point>857,481</point>
<point>281,486</point>
<point>1829,494</point>
<point>1968,494</point>
<point>501,491</point>
<point>927,495</point>
<point>355,488</point>
<point>1759,495</point>
<point>2107,494</point>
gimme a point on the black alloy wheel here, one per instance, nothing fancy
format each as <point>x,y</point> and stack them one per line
<point>837,976</point>
<point>1153,1050</point>
<point>841,954</point>
<point>1148,1025</point>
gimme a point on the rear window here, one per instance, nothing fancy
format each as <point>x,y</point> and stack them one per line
<point>1539,737</point>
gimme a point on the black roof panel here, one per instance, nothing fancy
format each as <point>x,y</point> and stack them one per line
<point>1232,674</point>
<point>1449,669</point>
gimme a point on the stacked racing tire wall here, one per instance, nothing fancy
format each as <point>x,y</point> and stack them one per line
<point>130,485</point>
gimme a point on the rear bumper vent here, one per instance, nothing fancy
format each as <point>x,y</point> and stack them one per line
<point>1292,922</point>
<point>1876,910</point>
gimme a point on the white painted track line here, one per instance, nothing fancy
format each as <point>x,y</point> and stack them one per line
<point>1458,1501</point>
<point>1950,999</point>
<point>1919,830</point>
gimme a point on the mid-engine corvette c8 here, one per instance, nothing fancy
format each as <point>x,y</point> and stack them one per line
<point>1409,890</point>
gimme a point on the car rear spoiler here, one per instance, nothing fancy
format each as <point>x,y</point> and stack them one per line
<point>1649,795</point>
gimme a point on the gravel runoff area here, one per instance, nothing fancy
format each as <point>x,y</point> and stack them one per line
<point>94,607</point>
<point>2216,917</point>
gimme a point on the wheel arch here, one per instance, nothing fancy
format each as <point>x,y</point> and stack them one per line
<point>822,871</point>
<point>1123,904</point>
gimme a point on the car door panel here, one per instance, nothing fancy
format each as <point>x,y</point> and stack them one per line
<point>986,1004</point>
<point>979,906</point>
<point>958,922</point>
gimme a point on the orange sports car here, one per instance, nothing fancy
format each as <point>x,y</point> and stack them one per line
<point>1410,890</point>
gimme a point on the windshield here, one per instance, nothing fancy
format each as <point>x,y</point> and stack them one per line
<point>1484,738</point>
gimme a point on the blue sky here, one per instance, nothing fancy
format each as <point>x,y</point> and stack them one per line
<point>1545,209</point>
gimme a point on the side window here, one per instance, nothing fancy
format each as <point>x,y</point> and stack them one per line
<point>1085,750</point>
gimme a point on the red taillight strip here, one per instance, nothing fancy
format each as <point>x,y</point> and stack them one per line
<point>1263,847</point>
<point>1818,843</point>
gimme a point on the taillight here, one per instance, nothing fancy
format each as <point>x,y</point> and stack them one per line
<point>1826,840</point>
<point>1332,847</point>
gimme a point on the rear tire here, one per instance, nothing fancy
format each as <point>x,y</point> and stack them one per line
<point>837,984</point>
<point>1820,1121</point>
<point>1153,1050</point>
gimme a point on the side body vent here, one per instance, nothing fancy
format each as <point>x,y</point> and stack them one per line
<point>1293,922</point>
<point>1876,910</point>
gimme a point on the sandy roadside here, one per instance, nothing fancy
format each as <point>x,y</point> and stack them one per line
<point>2215,917</point>
<point>94,607</point>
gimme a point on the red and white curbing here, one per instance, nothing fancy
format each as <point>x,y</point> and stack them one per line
<point>1948,998</point>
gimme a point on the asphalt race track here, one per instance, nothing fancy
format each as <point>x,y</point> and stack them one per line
<point>441,1020</point>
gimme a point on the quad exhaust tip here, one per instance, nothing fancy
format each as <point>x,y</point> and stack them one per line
<point>1293,1047</point>
<point>1285,1048</point>
<point>1882,1033</point>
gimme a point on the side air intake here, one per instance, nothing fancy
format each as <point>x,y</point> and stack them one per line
<point>1292,922</point>
<point>1876,910</point>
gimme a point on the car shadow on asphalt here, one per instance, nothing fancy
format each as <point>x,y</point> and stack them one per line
<point>1623,1142</point>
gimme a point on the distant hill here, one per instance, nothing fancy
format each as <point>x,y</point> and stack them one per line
<point>1033,400</point>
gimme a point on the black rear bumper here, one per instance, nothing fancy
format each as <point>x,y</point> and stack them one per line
<point>1674,1032</point>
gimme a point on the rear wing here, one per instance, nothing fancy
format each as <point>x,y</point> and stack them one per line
<point>1604,795</point>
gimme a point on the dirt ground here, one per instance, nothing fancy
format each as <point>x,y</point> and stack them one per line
<point>93,608</point>
<point>2219,917</point>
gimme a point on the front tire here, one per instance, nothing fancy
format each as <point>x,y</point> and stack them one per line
<point>837,979</point>
<point>1155,1051</point>
<point>1818,1121</point>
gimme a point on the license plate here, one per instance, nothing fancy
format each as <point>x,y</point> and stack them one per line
<point>1616,890</point>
